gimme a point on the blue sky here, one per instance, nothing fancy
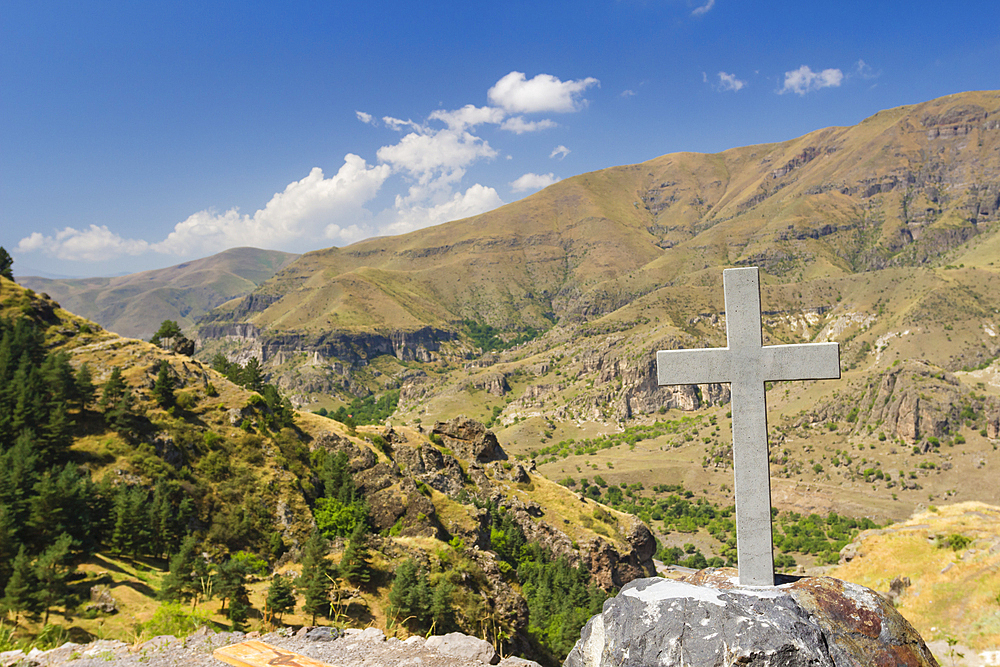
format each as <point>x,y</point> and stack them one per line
<point>138,135</point>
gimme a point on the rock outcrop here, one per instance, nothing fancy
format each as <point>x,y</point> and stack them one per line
<point>709,620</point>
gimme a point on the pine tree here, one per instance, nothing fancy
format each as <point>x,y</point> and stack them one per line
<point>18,594</point>
<point>163,389</point>
<point>355,565</point>
<point>252,377</point>
<point>281,596</point>
<point>230,577</point>
<point>410,595</point>
<point>84,386</point>
<point>183,582</point>
<point>6,264</point>
<point>314,583</point>
<point>52,570</point>
<point>168,329</point>
<point>441,610</point>
<point>113,391</point>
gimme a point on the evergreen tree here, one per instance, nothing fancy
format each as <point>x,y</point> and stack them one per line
<point>112,391</point>
<point>230,577</point>
<point>18,594</point>
<point>52,570</point>
<point>355,565</point>
<point>252,377</point>
<point>168,329</point>
<point>84,386</point>
<point>6,264</point>
<point>281,596</point>
<point>19,471</point>
<point>441,610</point>
<point>163,389</point>
<point>314,583</point>
<point>179,584</point>
<point>8,544</point>
<point>410,595</point>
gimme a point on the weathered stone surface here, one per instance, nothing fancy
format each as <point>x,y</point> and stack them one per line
<point>427,464</point>
<point>711,622</point>
<point>463,646</point>
<point>470,440</point>
<point>101,600</point>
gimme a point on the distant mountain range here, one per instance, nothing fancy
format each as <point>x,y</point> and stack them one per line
<point>134,305</point>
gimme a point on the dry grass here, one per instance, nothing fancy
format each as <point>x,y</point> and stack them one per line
<point>953,593</point>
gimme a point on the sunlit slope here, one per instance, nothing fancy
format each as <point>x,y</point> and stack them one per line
<point>901,188</point>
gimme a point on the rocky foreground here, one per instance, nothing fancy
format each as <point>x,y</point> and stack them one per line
<point>343,648</point>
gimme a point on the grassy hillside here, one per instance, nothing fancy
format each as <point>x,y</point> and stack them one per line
<point>110,488</point>
<point>135,304</point>
<point>950,554</point>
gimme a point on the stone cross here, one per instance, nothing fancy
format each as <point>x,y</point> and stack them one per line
<point>746,365</point>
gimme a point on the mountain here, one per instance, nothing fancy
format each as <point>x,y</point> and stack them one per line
<point>542,317</point>
<point>135,304</point>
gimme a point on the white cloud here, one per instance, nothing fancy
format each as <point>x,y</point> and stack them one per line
<point>627,93</point>
<point>468,116</point>
<point>704,9</point>
<point>94,244</point>
<point>545,92</point>
<point>430,155</point>
<point>293,218</point>
<point>559,151</point>
<point>477,199</point>
<point>365,117</point>
<point>400,125</point>
<point>865,71</point>
<point>531,181</point>
<point>730,82</point>
<point>518,125</point>
<point>804,80</point>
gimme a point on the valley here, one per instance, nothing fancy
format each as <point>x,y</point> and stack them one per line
<point>489,383</point>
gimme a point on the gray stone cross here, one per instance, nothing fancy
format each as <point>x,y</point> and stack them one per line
<point>746,365</point>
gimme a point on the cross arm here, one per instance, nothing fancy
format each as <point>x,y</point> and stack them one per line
<point>806,361</point>
<point>702,366</point>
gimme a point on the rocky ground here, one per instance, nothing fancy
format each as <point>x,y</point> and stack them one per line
<point>348,648</point>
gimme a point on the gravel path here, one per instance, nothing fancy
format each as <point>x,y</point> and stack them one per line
<point>356,648</point>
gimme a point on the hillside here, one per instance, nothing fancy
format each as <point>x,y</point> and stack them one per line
<point>944,561</point>
<point>542,318</point>
<point>135,304</point>
<point>149,476</point>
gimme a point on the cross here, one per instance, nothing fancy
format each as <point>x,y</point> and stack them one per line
<point>746,365</point>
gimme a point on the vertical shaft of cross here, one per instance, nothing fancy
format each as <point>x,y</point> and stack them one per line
<point>750,454</point>
<point>753,485</point>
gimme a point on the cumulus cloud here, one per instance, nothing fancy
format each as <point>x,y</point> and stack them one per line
<point>704,9</point>
<point>468,116</point>
<point>365,117</point>
<point>559,151</point>
<point>533,182</point>
<point>804,80</point>
<point>518,125</point>
<point>730,82</point>
<point>430,155</point>
<point>517,94</point>
<point>477,199</point>
<point>94,244</point>
<point>627,93</point>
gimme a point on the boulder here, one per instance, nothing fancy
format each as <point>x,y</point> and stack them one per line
<point>458,645</point>
<point>470,440</point>
<point>710,620</point>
